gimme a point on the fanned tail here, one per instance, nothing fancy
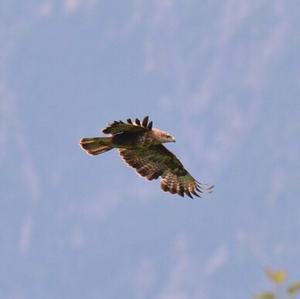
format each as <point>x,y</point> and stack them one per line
<point>96,145</point>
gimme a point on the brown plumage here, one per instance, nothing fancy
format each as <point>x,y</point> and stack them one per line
<point>141,147</point>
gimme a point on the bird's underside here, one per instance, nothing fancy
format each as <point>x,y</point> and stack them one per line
<point>140,146</point>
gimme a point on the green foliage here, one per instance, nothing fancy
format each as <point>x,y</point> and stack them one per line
<point>294,289</point>
<point>266,295</point>
<point>279,278</point>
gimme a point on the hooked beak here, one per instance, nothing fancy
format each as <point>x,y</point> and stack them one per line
<point>173,139</point>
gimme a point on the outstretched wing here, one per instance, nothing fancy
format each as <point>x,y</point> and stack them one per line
<point>136,126</point>
<point>155,161</point>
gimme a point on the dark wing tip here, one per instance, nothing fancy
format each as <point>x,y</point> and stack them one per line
<point>195,193</point>
<point>145,122</point>
<point>198,188</point>
<point>181,191</point>
<point>137,122</point>
<point>187,192</point>
<point>210,187</point>
<point>204,187</point>
<point>106,130</point>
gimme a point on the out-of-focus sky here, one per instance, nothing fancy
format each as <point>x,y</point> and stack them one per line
<point>221,76</point>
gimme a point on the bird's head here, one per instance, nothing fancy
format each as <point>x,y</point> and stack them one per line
<point>163,136</point>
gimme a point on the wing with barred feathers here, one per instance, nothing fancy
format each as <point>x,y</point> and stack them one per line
<point>136,126</point>
<point>157,161</point>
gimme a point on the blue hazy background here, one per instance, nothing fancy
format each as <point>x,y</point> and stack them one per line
<point>221,76</point>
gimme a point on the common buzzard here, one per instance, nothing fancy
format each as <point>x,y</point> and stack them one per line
<point>141,147</point>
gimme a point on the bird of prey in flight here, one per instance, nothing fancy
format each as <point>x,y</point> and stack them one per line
<point>141,147</point>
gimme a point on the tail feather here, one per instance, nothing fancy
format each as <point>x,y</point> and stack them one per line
<point>96,145</point>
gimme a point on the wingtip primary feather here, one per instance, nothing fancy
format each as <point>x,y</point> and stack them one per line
<point>150,125</point>
<point>211,187</point>
<point>195,193</point>
<point>137,122</point>
<point>145,122</point>
<point>201,187</point>
<point>187,192</point>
